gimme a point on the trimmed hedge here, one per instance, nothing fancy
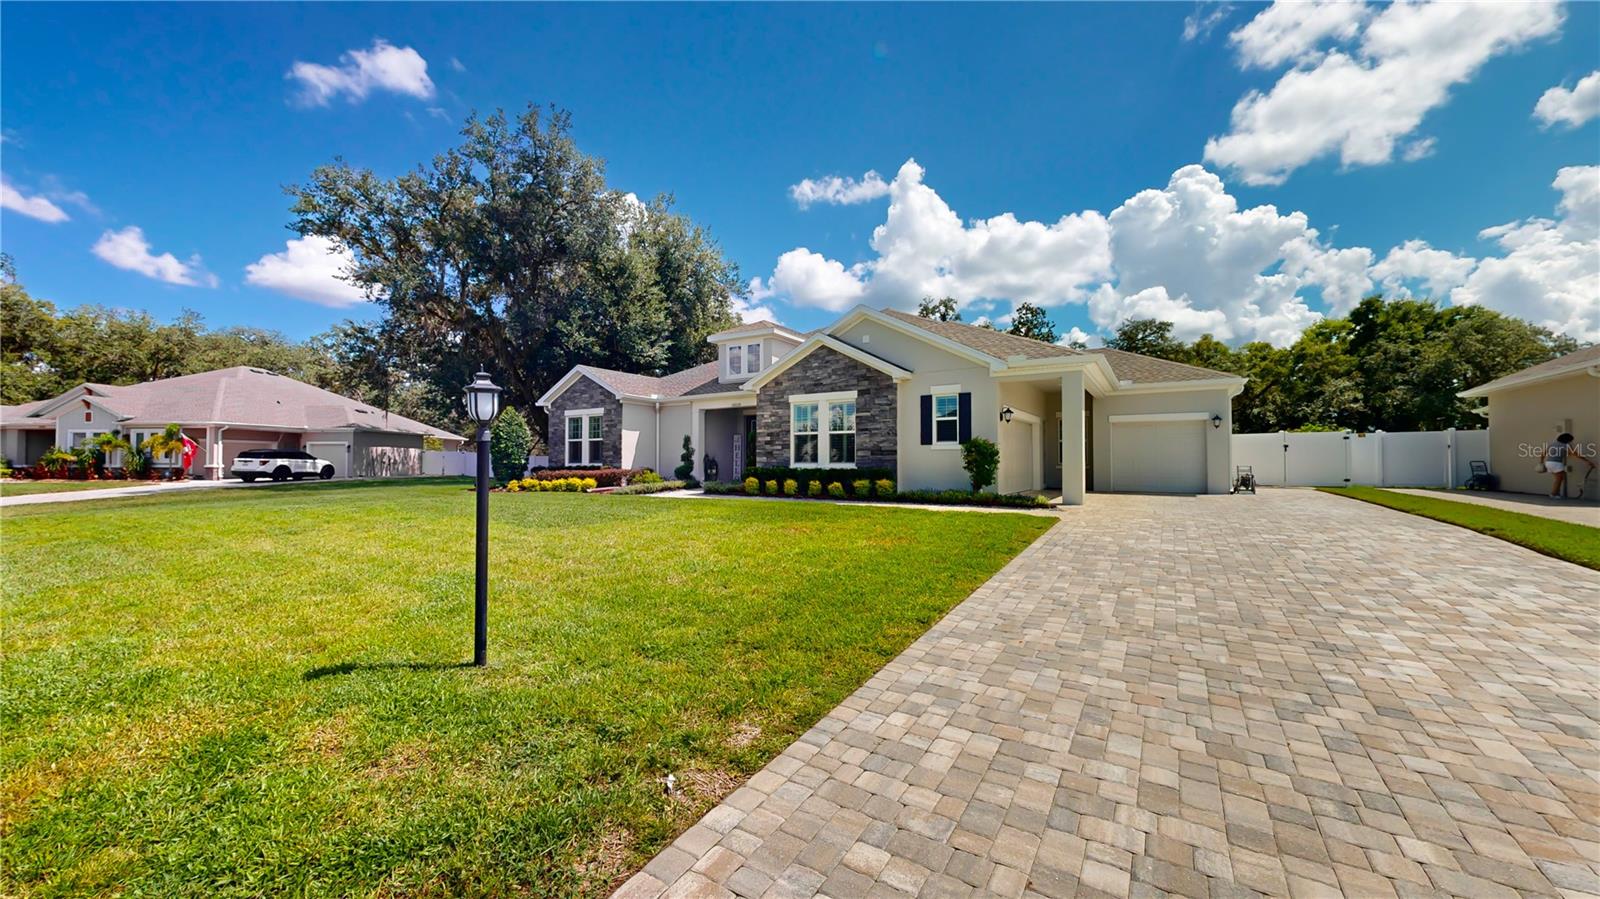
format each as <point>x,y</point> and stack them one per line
<point>781,473</point>
<point>882,491</point>
<point>647,487</point>
<point>605,477</point>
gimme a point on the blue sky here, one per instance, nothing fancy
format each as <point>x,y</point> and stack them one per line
<point>1034,130</point>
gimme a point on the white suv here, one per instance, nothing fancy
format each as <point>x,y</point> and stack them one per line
<point>279,465</point>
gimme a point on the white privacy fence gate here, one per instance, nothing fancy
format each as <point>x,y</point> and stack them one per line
<point>1378,459</point>
<point>463,462</point>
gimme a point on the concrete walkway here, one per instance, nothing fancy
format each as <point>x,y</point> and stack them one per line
<point>1289,694</point>
<point>1051,510</point>
<point>1559,509</point>
<point>78,496</point>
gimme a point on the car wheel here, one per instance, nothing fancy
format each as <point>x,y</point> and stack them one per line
<point>248,478</point>
<point>326,473</point>
<point>281,473</point>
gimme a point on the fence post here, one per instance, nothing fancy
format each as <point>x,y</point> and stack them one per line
<point>1450,459</point>
<point>1348,449</point>
<point>1283,438</point>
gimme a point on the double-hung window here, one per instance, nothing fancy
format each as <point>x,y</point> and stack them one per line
<point>752,358</point>
<point>822,430</point>
<point>735,360</point>
<point>946,418</point>
<point>585,437</point>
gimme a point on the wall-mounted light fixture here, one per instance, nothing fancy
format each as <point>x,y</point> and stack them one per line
<point>1216,421</point>
<point>1005,414</point>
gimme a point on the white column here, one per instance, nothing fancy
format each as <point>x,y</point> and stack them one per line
<point>213,454</point>
<point>1072,434</point>
<point>697,433</point>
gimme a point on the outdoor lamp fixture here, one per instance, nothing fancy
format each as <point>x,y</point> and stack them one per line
<point>483,405</point>
<point>1216,421</point>
<point>1005,414</point>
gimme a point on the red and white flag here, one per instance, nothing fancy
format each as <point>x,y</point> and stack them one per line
<point>189,449</point>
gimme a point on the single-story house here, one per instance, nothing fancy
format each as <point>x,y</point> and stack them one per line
<point>883,388</point>
<point>1528,409</point>
<point>225,412</point>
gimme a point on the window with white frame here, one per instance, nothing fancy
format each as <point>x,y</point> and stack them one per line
<point>804,430</point>
<point>946,418</point>
<point>822,429</point>
<point>752,358</point>
<point>585,437</point>
<point>735,360</point>
<point>842,433</point>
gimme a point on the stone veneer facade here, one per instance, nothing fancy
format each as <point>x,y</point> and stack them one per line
<point>828,371</point>
<point>586,394</point>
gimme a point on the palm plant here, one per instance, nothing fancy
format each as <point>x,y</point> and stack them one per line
<point>169,441</point>
<point>104,445</point>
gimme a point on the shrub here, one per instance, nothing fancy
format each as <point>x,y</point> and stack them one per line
<point>685,469</point>
<point>790,488</point>
<point>836,490</point>
<point>814,488</point>
<point>605,477</point>
<point>963,498</point>
<point>752,486</point>
<point>862,488</point>
<point>721,487</point>
<point>514,487</point>
<point>530,483</point>
<point>509,441</point>
<point>772,487</point>
<point>657,486</point>
<point>646,476</point>
<point>981,459</point>
<point>587,484</point>
<point>782,473</point>
<point>884,487</point>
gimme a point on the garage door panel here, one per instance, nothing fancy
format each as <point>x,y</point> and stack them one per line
<point>1158,457</point>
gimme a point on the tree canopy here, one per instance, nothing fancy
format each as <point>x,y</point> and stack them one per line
<point>511,251</point>
<point>1394,365</point>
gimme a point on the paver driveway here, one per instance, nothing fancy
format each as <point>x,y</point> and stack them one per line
<point>1286,694</point>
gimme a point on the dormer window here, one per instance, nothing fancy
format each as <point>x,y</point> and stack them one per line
<point>735,356</point>
<point>752,357</point>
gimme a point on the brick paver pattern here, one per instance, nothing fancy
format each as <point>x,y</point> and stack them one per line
<point>1290,694</point>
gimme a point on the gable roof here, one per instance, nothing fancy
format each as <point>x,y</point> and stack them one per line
<point>17,416</point>
<point>621,383</point>
<point>1142,369</point>
<point>827,341</point>
<point>243,396</point>
<point>1560,367</point>
<point>996,344</point>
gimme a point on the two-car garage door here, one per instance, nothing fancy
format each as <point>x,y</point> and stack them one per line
<point>1158,456</point>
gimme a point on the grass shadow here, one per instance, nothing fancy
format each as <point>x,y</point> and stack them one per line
<point>322,671</point>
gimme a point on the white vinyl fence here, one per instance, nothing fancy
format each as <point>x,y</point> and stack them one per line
<point>1378,459</point>
<point>463,462</point>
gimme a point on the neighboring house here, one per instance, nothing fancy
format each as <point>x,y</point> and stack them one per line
<point>885,388</point>
<point>1528,409</point>
<point>225,412</point>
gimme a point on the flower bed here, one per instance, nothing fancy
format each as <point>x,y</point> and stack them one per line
<point>647,487</point>
<point>880,490</point>
<point>603,477</point>
<point>553,485</point>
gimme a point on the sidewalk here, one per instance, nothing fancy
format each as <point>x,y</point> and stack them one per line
<point>1574,511</point>
<point>75,496</point>
<point>1050,510</point>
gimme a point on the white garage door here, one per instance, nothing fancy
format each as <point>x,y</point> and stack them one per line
<point>336,452</point>
<point>1158,457</point>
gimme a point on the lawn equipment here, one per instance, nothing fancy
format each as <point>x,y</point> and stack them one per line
<point>1481,479</point>
<point>1244,479</point>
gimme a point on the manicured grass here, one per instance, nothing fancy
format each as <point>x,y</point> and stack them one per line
<point>1573,542</point>
<point>261,692</point>
<point>24,488</point>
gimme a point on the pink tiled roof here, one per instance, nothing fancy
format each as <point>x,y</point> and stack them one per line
<point>250,397</point>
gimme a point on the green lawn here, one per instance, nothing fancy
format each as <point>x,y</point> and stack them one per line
<point>1564,540</point>
<point>260,692</point>
<point>23,488</point>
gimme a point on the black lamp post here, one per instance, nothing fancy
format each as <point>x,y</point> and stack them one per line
<point>483,405</point>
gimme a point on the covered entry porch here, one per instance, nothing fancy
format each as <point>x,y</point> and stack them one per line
<point>724,440</point>
<point>1045,432</point>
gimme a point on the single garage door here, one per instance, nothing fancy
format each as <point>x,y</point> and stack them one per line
<point>336,452</point>
<point>1158,457</point>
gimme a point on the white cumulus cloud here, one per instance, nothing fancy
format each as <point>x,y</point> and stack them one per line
<point>383,66</point>
<point>839,191</point>
<point>1550,273</point>
<point>1571,107</point>
<point>1364,97</point>
<point>310,268</point>
<point>1415,262</point>
<point>35,206</point>
<point>128,249</point>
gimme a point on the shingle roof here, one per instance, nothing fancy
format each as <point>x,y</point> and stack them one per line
<point>1574,361</point>
<point>249,396</point>
<point>676,384</point>
<point>998,344</point>
<point>1142,369</point>
<point>16,416</point>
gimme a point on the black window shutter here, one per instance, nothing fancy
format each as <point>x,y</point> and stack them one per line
<point>927,419</point>
<point>965,417</point>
